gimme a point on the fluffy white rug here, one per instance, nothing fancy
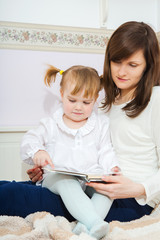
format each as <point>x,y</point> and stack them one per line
<point>44,226</point>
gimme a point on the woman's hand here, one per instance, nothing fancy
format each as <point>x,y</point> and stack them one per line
<point>42,158</point>
<point>35,174</point>
<point>118,186</point>
<point>116,170</point>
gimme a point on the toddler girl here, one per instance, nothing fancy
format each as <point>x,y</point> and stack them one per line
<point>75,139</point>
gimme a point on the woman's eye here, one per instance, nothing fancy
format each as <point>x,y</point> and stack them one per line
<point>133,65</point>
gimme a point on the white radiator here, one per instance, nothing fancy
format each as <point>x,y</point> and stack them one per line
<point>11,166</point>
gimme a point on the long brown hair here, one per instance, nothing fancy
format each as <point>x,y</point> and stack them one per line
<point>125,41</point>
<point>82,77</point>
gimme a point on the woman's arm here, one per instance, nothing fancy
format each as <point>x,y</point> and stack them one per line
<point>152,184</point>
<point>117,187</point>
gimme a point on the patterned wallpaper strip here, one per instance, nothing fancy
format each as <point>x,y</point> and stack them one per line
<point>52,38</point>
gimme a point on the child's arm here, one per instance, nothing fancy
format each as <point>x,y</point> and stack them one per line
<point>38,144</point>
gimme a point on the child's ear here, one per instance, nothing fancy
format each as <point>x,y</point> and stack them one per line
<point>61,92</point>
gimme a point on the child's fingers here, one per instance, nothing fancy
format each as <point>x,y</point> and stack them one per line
<point>49,161</point>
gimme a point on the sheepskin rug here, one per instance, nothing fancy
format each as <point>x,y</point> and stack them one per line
<point>44,226</point>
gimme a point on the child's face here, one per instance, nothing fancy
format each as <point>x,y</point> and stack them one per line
<point>76,107</point>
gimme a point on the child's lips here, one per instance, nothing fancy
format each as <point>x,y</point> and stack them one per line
<point>77,113</point>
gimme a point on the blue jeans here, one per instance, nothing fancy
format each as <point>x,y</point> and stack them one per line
<point>23,198</point>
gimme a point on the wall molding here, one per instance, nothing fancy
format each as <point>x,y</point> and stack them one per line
<point>10,140</point>
<point>15,129</point>
<point>53,38</point>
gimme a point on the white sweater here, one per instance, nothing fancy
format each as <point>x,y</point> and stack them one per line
<point>137,145</point>
<point>87,149</point>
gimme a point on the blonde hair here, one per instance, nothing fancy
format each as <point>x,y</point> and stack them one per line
<point>86,78</point>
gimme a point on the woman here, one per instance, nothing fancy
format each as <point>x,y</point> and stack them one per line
<point>132,100</point>
<point>131,79</point>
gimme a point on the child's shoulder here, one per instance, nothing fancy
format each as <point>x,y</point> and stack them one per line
<point>47,121</point>
<point>55,117</point>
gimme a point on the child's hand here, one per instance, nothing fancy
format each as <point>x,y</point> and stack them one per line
<point>42,158</point>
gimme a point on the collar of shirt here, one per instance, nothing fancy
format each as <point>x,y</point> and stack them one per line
<point>87,128</point>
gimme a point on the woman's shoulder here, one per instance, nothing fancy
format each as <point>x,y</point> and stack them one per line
<point>156,93</point>
<point>156,89</point>
<point>155,100</point>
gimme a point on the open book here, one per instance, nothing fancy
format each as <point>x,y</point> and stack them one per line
<point>83,176</point>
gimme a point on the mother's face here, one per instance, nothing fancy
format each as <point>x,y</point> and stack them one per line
<point>127,73</point>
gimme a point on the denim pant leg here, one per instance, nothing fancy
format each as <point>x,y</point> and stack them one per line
<point>23,198</point>
<point>125,210</point>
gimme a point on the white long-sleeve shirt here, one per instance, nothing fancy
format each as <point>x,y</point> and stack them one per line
<point>137,145</point>
<point>87,149</point>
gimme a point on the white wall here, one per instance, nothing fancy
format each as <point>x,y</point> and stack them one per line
<point>158,15</point>
<point>24,99</point>
<point>121,11</point>
<point>80,13</point>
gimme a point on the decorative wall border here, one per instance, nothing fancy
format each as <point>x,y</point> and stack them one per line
<point>52,38</point>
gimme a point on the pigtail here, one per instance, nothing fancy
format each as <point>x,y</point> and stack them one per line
<point>51,75</point>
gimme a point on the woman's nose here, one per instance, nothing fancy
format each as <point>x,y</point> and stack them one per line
<point>122,70</point>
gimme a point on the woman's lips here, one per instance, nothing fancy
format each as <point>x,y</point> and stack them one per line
<point>122,79</point>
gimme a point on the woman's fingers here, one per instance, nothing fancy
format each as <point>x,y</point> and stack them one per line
<point>37,177</point>
<point>118,186</point>
<point>35,174</point>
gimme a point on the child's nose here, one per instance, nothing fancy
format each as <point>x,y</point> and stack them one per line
<point>78,105</point>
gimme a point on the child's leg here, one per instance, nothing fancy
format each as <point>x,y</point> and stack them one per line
<point>101,203</point>
<point>76,201</point>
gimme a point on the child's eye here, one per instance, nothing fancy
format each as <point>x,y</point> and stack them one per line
<point>86,103</point>
<point>71,100</point>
